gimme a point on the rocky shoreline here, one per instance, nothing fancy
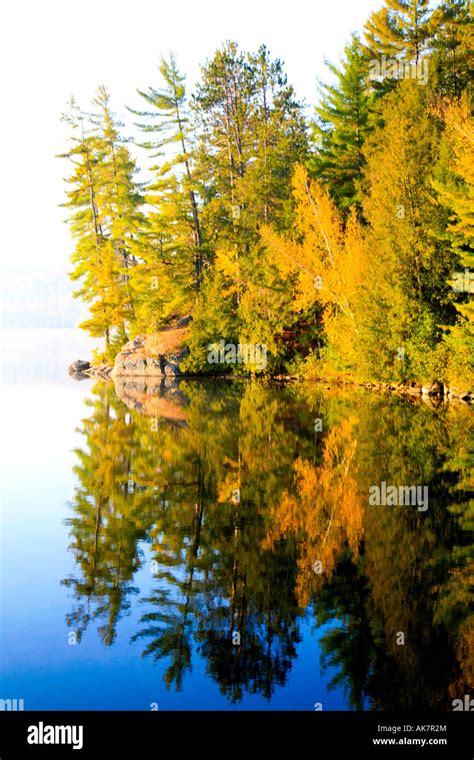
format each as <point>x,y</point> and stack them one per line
<point>150,359</point>
<point>158,355</point>
<point>81,369</point>
<point>434,390</point>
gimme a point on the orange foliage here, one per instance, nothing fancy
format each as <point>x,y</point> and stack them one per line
<point>326,262</point>
<point>325,249</point>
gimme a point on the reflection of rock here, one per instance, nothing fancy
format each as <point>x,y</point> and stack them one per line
<point>433,402</point>
<point>432,389</point>
<point>159,399</point>
<point>413,389</point>
<point>463,393</point>
<point>156,355</point>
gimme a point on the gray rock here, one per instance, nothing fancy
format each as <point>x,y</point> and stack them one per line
<point>184,322</point>
<point>102,371</point>
<point>79,368</point>
<point>171,370</point>
<point>133,344</point>
<point>140,362</point>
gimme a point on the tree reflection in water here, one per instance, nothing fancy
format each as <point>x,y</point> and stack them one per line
<point>256,523</point>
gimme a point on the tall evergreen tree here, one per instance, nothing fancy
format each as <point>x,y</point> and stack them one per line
<point>279,142</point>
<point>342,128</point>
<point>407,295</point>
<point>398,30</point>
<point>104,201</point>
<point>174,237</point>
<point>222,106</point>
<point>252,132</point>
<point>452,41</point>
<point>454,183</point>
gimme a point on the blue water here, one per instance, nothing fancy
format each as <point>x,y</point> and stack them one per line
<point>41,411</point>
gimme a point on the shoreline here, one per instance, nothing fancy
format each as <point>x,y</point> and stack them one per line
<point>434,391</point>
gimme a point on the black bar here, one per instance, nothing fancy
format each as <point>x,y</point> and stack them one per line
<point>212,734</point>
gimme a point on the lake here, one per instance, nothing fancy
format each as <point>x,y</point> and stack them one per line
<point>229,545</point>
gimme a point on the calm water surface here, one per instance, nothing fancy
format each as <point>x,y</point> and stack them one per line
<point>210,547</point>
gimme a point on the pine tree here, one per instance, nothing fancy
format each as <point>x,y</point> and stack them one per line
<point>455,187</point>
<point>398,30</point>
<point>222,107</point>
<point>252,132</point>
<point>452,42</point>
<point>342,128</point>
<point>104,200</point>
<point>279,144</point>
<point>278,129</point>
<point>173,239</point>
<point>407,297</point>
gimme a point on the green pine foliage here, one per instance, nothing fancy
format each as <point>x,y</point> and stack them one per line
<point>171,266</point>
<point>105,202</point>
<point>398,30</point>
<point>452,42</point>
<point>408,293</point>
<point>342,128</point>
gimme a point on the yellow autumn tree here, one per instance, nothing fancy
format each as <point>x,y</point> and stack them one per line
<point>324,262</point>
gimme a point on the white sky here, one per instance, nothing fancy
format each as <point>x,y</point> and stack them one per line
<point>51,49</point>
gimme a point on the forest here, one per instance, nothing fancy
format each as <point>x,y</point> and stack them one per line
<point>337,236</point>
